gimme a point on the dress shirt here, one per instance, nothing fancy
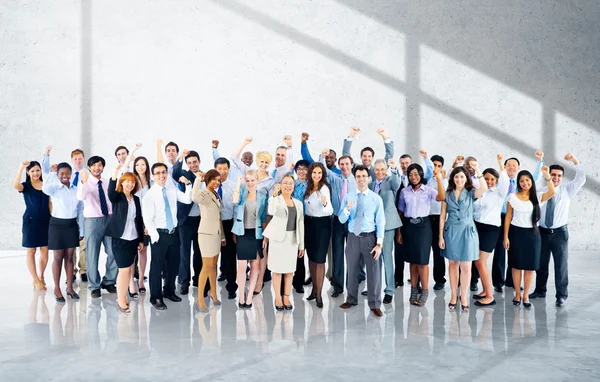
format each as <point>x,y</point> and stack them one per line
<point>313,205</point>
<point>130,232</point>
<point>46,168</point>
<point>416,204</point>
<point>153,207</point>
<point>436,207</point>
<point>487,208</point>
<point>234,171</point>
<point>88,193</point>
<point>64,200</point>
<point>299,191</point>
<point>536,176</point>
<point>170,181</point>
<point>228,188</point>
<point>306,156</point>
<point>427,172</point>
<point>475,181</point>
<point>373,213</point>
<point>562,199</point>
<point>522,210</point>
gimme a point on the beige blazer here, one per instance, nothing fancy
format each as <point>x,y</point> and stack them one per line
<point>210,211</point>
<point>277,226</point>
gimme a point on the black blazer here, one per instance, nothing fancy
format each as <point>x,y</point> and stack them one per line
<point>120,206</point>
<point>183,210</point>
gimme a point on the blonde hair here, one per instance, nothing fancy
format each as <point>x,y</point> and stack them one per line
<point>253,173</point>
<point>264,155</point>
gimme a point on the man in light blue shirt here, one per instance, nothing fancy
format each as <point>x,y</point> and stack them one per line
<point>363,210</point>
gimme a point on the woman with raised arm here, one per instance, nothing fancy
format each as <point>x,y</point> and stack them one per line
<point>35,219</point>
<point>250,220</point>
<point>141,169</point>
<point>459,242</point>
<point>521,233</point>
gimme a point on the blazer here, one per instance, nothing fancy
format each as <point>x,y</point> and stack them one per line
<point>183,210</point>
<point>238,213</point>
<point>120,206</point>
<point>388,192</point>
<point>277,226</point>
<point>210,210</point>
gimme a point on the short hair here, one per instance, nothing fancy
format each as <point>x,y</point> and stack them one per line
<point>416,166</point>
<point>492,171</point>
<point>455,171</point>
<point>513,158</point>
<point>346,157</point>
<point>470,158</point>
<point>121,148</point>
<point>128,176</point>
<point>172,144</point>
<point>557,167</point>
<point>281,147</point>
<point>438,158</point>
<point>302,162</point>
<point>248,152</point>
<point>192,154</point>
<point>361,167</point>
<point>333,151</point>
<point>210,175</point>
<point>377,161</point>
<point>404,156</point>
<point>264,155</point>
<point>77,151</point>
<point>157,165</point>
<point>31,165</point>
<point>62,165</point>
<point>253,173</point>
<point>222,161</point>
<point>367,149</point>
<point>96,159</point>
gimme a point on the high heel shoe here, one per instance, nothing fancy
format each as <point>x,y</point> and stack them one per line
<point>132,295</point>
<point>73,296</point>
<point>516,302</point>
<point>527,305</point>
<point>288,307</point>
<point>319,302</point>
<point>241,305</point>
<point>311,297</point>
<point>451,306</point>
<point>414,295</point>
<point>465,308</point>
<point>60,300</point>
<point>123,310</point>
<point>215,302</point>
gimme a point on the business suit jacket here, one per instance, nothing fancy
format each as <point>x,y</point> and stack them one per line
<point>120,207</point>
<point>183,210</point>
<point>388,192</point>
<point>277,226</point>
<point>210,210</point>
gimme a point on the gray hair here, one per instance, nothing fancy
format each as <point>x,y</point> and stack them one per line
<point>379,161</point>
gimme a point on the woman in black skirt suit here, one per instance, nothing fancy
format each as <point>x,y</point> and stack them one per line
<point>35,219</point>
<point>521,232</point>
<point>126,228</point>
<point>65,228</point>
<point>317,226</point>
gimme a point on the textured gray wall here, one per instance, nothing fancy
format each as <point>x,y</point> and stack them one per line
<point>467,77</point>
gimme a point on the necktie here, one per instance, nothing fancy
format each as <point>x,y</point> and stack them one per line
<point>169,216</point>
<point>273,173</point>
<point>511,187</point>
<point>102,196</point>
<point>220,192</point>
<point>404,180</point>
<point>550,212</point>
<point>357,229</point>
<point>378,187</point>
<point>344,191</point>
<point>76,179</point>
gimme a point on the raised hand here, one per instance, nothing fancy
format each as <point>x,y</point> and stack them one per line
<point>572,158</point>
<point>248,140</point>
<point>277,189</point>
<point>83,176</point>
<point>382,133</point>
<point>324,152</point>
<point>354,131</point>
<point>539,155</point>
<point>239,182</point>
<point>25,163</point>
<point>159,142</point>
<point>54,166</point>
<point>118,167</point>
<point>47,150</point>
<point>459,159</point>
<point>184,180</point>
<point>546,171</point>
<point>137,147</point>
<point>474,165</point>
<point>200,175</point>
<point>392,163</point>
<point>304,138</point>
<point>500,158</point>
<point>424,153</point>
<point>437,173</point>
<point>184,153</point>
<point>287,139</point>
<point>215,143</point>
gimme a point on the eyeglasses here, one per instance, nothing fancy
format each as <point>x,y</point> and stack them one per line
<point>160,173</point>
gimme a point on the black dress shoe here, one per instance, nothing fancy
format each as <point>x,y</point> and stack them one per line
<point>221,277</point>
<point>60,300</point>
<point>73,296</point>
<point>478,297</point>
<point>111,288</point>
<point>560,302</point>
<point>527,305</point>
<point>399,284</point>
<point>96,293</point>
<point>311,296</point>
<point>336,293</point>
<point>387,299</point>
<point>279,308</point>
<point>438,286</point>
<point>536,294</point>
<point>173,297</point>
<point>498,289</point>
<point>231,296</point>
<point>308,281</point>
<point>158,304</point>
<point>481,304</point>
<point>473,287</point>
<point>299,289</point>
<point>242,305</point>
<point>364,293</point>
<point>320,304</point>
<point>288,307</point>
<point>184,290</point>
<point>84,278</point>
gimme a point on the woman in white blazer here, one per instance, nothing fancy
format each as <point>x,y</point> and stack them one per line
<point>285,235</point>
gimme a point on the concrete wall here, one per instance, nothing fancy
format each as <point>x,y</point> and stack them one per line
<point>468,77</point>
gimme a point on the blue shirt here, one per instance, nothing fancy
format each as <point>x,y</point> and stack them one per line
<point>299,190</point>
<point>306,156</point>
<point>373,213</point>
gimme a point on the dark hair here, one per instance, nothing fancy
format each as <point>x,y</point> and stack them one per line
<point>301,162</point>
<point>493,172</point>
<point>77,151</point>
<point>333,151</point>
<point>468,183</point>
<point>311,184</point>
<point>121,148</point>
<point>157,165</point>
<point>535,214</point>
<point>513,158</point>
<point>174,145</point>
<point>346,157</point>
<point>147,173</point>
<point>191,155</point>
<point>222,161</point>
<point>404,156</point>
<point>367,149</point>
<point>416,166</point>
<point>361,167</point>
<point>438,158</point>
<point>281,147</point>
<point>63,165</point>
<point>557,167</point>
<point>210,175</point>
<point>31,165</point>
<point>95,159</point>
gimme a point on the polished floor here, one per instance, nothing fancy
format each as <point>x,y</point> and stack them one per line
<point>91,340</point>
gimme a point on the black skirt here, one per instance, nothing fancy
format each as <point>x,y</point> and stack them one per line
<point>63,234</point>
<point>35,232</point>
<point>488,236</point>
<point>248,245</point>
<point>525,248</point>
<point>417,241</point>
<point>317,234</point>
<point>124,251</point>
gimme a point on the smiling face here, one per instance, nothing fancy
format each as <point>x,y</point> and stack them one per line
<point>121,155</point>
<point>251,181</point>
<point>64,176</point>
<point>35,173</point>
<point>193,164</point>
<point>287,186</point>
<point>280,157</point>
<point>414,178</point>
<point>362,179</point>
<point>171,152</point>
<point>77,161</point>
<point>345,166</point>
<point>380,171</point>
<point>330,159</point>
<point>525,183</point>
<point>460,179</point>
<point>366,158</point>
<point>317,175</point>
<point>214,184</point>
<point>247,158</point>
<point>140,167</point>
<point>160,174</point>
<point>223,170</point>
<point>437,165</point>
<point>263,164</point>
<point>302,171</point>
<point>404,163</point>
<point>512,168</point>
<point>128,186</point>
<point>490,180</point>
<point>557,177</point>
<point>96,169</point>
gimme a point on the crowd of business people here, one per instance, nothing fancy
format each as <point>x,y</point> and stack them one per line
<point>371,216</point>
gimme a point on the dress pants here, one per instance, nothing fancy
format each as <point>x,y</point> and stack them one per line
<point>387,259</point>
<point>229,257</point>
<point>439,262</point>
<point>555,242</point>
<point>360,247</point>
<point>339,233</point>
<point>300,274</point>
<point>399,257</point>
<point>164,251</point>
<point>499,261</point>
<point>188,236</point>
<point>94,237</point>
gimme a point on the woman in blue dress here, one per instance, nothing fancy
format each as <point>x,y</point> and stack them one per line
<point>459,242</point>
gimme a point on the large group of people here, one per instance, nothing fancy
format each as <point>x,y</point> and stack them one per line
<point>363,220</point>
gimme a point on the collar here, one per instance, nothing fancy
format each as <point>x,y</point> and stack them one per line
<point>365,192</point>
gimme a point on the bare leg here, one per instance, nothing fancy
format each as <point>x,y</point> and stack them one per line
<point>241,280</point>
<point>287,288</point>
<point>122,282</point>
<point>43,262</point>
<point>131,282</point>
<point>56,270</point>
<point>69,266</point>
<point>261,275</point>
<point>486,279</point>
<point>202,280</point>
<point>424,275</point>
<point>453,273</point>
<point>465,280</point>
<point>276,278</point>
<point>142,260</point>
<point>528,280</point>
<point>414,275</point>
<point>213,279</point>
<point>254,271</point>
<point>30,258</point>
<point>516,274</point>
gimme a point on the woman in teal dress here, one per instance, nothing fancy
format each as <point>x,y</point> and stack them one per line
<point>459,241</point>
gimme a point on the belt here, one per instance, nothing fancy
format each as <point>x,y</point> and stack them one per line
<point>364,234</point>
<point>417,220</point>
<point>316,217</point>
<point>554,230</point>
<point>163,230</point>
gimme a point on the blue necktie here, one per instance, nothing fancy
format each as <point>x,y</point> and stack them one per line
<point>220,192</point>
<point>76,179</point>
<point>273,174</point>
<point>550,206</point>
<point>102,196</point>
<point>378,188</point>
<point>170,224</point>
<point>357,229</point>
<point>511,187</point>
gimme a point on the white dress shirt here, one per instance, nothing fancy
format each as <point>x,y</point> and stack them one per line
<point>436,207</point>
<point>130,231</point>
<point>488,208</point>
<point>562,199</point>
<point>154,210</point>
<point>65,204</point>
<point>313,205</point>
<point>522,211</point>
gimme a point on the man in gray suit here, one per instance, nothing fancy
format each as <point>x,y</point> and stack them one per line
<point>387,187</point>
<point>367,154</point>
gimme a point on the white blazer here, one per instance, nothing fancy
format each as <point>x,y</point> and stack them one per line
<point>277,226</point>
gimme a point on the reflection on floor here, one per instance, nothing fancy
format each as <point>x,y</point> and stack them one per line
<point>91,340</point>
